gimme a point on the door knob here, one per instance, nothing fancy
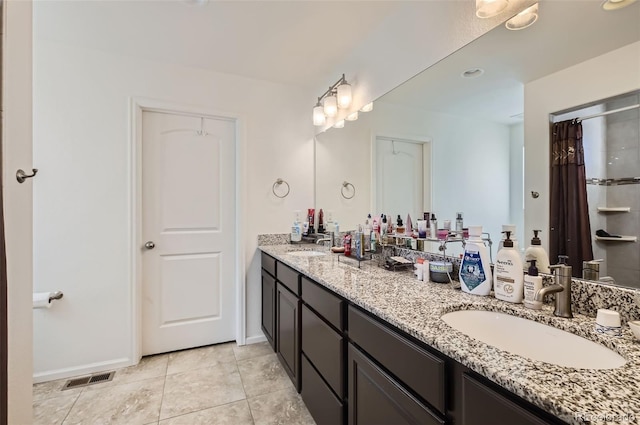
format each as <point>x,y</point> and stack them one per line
<point>150,245</point>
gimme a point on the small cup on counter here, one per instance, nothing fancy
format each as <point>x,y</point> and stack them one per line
<point>608,322</point>
<point>635,328</point>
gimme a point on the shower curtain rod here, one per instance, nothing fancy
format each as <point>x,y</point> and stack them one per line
<point>613,111</point>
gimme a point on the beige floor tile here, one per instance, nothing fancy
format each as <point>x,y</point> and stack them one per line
<point>148,368</point>
<point>53,389</point>
<point>182,361</point>
<point>133,403</point>
<point>236,413</point>
<point>199,389</point>
<point>263,374</point>
<point>284,407</point>
<point>52,411</point>
<point>252,350</point>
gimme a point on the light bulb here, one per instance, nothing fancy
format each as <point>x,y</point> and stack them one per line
<point>318,115</point>
<point>330,106</point>
<point>344,95</point>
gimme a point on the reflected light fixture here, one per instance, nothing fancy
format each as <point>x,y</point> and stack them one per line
<point>524,19</point>
<point>318,114</point>
<point>339,124</point>
<point>490,8</point>
<point>616,4</point>
<point>367,108</point>
<point>352,117</point>
<point>338,96</point>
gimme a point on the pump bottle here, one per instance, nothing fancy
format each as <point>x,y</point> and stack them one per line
<point>508,278</point>
<point>532,284</point>
<point>537,252</point>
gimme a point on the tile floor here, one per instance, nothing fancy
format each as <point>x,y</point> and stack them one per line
<point>218,384</point>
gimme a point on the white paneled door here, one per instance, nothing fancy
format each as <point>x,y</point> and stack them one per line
<point>188,231</point>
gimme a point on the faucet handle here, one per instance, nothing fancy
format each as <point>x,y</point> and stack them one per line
<point>562,259</point>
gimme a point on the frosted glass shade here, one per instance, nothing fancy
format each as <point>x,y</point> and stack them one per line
<point>367,108</point>
<point>330,106</point>
<point>616,4</point>
<point>489,8</point>
<point>352,117</point>
<point>318,115</point>
<point>339,124</point>
<point>344,95</point>
<point>524,19</point>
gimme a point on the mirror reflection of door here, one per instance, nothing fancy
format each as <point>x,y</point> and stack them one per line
<point>401,176</point>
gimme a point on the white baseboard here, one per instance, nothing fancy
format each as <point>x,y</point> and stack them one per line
<point>255,339</point>
<point>52,375</point>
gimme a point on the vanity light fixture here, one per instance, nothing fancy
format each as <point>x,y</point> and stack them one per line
<point>318,114</point>
<point>339,124</point>
<point>490,8</point>
<point>367,108</point>
<point>352,117</point>
<point>616,4</point>
<point>524,19</point>
<point>338,96</point>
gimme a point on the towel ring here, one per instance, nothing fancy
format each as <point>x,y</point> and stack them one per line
<point>345,185</point>
<point>278,183</point>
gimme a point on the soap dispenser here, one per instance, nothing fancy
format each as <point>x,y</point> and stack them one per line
<point>532,284</point>
<point>537,252</point>
<point>508,278</point>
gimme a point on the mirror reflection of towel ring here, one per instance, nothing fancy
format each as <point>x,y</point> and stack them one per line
<point>278,183</point>
<point>345,185</point>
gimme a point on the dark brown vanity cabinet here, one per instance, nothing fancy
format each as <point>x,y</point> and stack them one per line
<point>288,321</point>
<point>323,354</point>
<point>392,379</point>
<point>268,288</point>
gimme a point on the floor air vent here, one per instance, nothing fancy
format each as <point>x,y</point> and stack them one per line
<point>88,380</point>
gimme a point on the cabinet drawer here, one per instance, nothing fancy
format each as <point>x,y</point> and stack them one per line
<point>324,302</point>
<point>324,348</point>
<point>376,398</point>
<point>269,264</point>
<point>288,277</point>
<point>418,369</point>
<point>482,405</point>
<point>321,402</point>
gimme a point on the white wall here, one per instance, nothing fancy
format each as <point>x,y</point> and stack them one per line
<point>82,212</point>
<point>17,199</point>
<point>516,182</point>
<point>578,85</point>
<point>470,164</point>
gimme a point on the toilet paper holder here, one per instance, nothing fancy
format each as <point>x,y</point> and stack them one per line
<point>56,296</point>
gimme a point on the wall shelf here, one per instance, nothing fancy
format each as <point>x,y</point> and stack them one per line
<point>620,239</point>
<point>614,209</point>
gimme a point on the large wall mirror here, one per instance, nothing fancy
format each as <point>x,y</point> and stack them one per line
<point>468,130</point>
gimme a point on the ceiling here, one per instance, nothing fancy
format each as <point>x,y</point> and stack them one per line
<point>291,42</point>
<point>566,33</point>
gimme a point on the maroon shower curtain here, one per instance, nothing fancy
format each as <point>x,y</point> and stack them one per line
<point>570,229</point>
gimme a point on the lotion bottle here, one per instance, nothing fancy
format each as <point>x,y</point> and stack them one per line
<point>508,279</point>
<point>296,229</point>
<point>532,284</point>
<point>537,252</point>
<point>475,270</point>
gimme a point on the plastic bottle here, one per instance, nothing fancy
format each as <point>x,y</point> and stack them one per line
<point>296,229</point>
<point>347,244</point>
<point>475,270</point>
<point>434,226</point>
<point>536,252</point>
<point>368,228</point>
<point>459,224</point>
<point>532,284</point>
<point>508,279</point>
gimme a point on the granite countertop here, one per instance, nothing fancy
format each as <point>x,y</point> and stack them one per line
<point>576,396</point>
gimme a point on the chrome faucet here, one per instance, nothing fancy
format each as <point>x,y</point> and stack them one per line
<point>562,289</point>
<point>329,237</point>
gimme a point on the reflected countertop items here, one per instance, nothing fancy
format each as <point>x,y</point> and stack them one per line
<point>416,308</point>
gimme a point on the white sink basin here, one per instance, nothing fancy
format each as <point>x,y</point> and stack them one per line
<point>533,340</point>
<point>306,253</point>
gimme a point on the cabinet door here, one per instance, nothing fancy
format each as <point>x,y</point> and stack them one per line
<point>482,405</point>
<point>375,398</point>
<point>288,332</point>
<point>268,307</point>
